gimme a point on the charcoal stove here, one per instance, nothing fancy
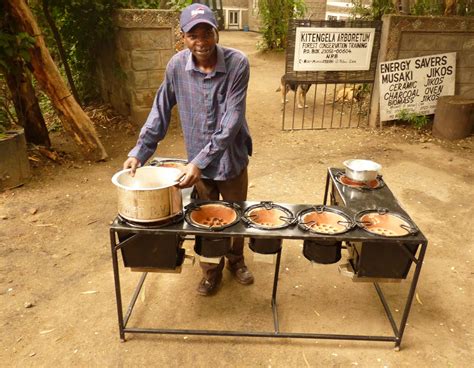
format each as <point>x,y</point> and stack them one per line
<point>377,212</point>
<point>267,215</point>
<point>344,200</point>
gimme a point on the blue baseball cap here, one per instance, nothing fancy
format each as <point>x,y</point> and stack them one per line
<point>195,14</point>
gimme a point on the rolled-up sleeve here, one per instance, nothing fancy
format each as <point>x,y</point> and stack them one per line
<point>232,120</point>
<point>156,125</point>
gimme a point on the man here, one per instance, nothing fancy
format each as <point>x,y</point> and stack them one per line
<point>209,84</point>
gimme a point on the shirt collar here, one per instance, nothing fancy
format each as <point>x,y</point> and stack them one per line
<point>220,66</point>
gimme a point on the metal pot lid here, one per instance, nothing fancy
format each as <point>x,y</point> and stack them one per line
<point>385,223</point>
<point>212,215</point>
<point>324,220</point>
<point>267,215</point>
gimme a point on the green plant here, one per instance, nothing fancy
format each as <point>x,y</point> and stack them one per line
<point>178,4</point>
<point>427,7</point>
<point>418,121</point>
<point>275,15</point>
<point>371,12</point>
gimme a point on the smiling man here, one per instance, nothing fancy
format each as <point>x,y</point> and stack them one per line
<point>209,84</point>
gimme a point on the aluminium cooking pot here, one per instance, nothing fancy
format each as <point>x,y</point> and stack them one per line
<point>362,170</point>
<point>149,196</point>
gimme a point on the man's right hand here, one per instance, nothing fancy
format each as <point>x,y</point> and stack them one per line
<point>132,163</point>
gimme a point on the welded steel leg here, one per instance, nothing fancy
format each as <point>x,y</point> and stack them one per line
<point>275,286</point>
<point>134,298</point>
<point>387,309</point>
<point>118,295</point>
<point>411,293</point>
<point>326,190</point>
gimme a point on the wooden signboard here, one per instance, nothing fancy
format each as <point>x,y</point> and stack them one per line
<point>415,84</point>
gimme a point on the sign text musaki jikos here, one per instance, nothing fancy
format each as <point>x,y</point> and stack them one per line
<point>415,84</point>
<point>333,49</point>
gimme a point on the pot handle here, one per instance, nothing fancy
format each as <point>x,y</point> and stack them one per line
<point>180,179</point>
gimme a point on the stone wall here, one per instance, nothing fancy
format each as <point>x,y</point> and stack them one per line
<point>410,36</point>
<point>133,68</point>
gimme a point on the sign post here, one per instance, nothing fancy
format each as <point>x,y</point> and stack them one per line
<point>415,84</point>
<point>333,49</point>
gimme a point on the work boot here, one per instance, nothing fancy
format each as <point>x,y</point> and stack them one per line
<point>241,273</point>
<point>208,287</point>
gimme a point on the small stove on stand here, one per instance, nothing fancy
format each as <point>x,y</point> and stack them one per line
<point>366,218</point>
<point>387,253</point>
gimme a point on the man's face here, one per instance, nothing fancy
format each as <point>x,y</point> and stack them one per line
<point>201,40</point>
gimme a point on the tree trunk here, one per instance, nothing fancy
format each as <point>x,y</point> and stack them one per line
<point>62,53</point>
<point>27,107</point>
<point>454,117</point>
<point>73,118</point>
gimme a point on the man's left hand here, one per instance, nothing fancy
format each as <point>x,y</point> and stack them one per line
<point>192,174</point>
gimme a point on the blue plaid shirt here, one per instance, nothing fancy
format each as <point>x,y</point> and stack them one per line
<point>212,113</point>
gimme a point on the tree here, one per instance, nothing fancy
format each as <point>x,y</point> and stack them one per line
<point>275,15</point>
<point>73,118</point>
<point>13,58</point>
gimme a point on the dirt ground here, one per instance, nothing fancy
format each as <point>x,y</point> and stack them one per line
<point>56,282</point>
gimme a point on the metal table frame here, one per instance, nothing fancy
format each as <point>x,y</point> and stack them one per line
<point>295,233</point>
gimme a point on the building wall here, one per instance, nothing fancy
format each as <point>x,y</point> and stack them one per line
<point>133,68</point>
<point>316,9</point>
<point>253,17</point>
<point>409,36</point>
<point>240,6</point>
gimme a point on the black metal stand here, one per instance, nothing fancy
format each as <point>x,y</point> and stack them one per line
<point>356,235</point>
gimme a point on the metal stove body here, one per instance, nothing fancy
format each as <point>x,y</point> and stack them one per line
<point>376,258</point>
<point>166,239</point>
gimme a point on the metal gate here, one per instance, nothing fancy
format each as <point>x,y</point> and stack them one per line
<point>327,99</point>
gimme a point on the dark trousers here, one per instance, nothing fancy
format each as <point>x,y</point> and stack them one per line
<point>234,189</point>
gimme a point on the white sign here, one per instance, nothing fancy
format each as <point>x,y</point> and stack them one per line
<point>333,49</point>
<point>415,84</point>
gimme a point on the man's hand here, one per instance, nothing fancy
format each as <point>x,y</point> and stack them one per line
<point>132,163</point>
<point>191,174</point>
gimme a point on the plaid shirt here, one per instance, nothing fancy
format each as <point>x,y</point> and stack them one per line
<point>212,113</point>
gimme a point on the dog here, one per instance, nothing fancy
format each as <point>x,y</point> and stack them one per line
<point>300,89</point>
<point>346,94</point>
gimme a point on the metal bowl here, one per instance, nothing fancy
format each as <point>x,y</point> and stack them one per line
<point>362,170</point>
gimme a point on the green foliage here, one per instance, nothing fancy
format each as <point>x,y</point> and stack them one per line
<point>428,7</point>
<point>141,4</point>
<point>178,4</point>
<point>14,47</point>
<point>275,15</point>
<point>378,8</point>
<point>418,121</point>
<point>85,27</point>
<point>465,8</point>
<point>371,12</point>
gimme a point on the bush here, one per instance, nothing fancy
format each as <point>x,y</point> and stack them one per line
<point>417,121</point>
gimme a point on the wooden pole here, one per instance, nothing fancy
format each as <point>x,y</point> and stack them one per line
<point>74,119</point>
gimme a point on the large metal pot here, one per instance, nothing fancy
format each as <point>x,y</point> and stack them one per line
<point>362,170</point>
<point>149,196</point>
